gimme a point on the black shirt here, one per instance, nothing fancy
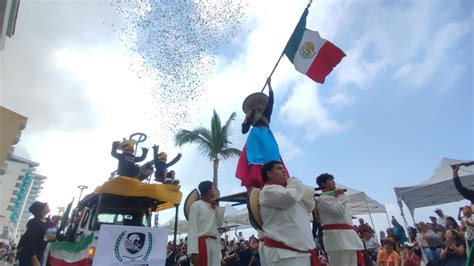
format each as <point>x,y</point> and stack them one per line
<point>32,242</point>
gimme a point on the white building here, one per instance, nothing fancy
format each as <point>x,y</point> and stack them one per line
<point>8,15</point>
<point>19,188</point>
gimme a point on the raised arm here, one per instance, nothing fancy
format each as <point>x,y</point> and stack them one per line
<point>175,160</point>
<point>143,157</point>
<point>114,152</point>
<point>279,197</point>
<point>269,108</point>
<point>465,192</point>
<point>334,206</point>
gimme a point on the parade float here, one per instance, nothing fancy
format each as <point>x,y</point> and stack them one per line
<point>114,225</point>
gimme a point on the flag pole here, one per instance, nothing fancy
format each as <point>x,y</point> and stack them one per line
<point>282,53</point>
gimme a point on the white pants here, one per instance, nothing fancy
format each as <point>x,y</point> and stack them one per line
<point>261,251</point>
<point>342,258</point>
<point>214,255</point>
<point>298,261</point>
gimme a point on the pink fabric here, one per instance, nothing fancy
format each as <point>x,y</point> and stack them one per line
<point>250,174</point>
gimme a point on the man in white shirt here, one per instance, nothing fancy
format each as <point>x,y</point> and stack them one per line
<point>205,216</point>
<point>341,241</point>
<point>284,208</point>
<point>441,217</point>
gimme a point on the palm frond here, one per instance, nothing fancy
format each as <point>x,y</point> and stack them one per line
<point>229,153</point>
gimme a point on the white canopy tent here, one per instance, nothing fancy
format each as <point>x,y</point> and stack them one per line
<point>438,189</point>
<point>359,203</point>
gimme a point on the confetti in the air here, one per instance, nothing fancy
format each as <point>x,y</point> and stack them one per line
<point>178,42</point>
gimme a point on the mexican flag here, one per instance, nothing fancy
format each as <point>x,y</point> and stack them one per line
<point>311,54</point>
<point>65,253</point>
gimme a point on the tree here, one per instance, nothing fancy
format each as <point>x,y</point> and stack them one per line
<point>213,143</point>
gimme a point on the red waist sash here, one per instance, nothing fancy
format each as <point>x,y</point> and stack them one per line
<point>338,227</point>
<point>275,244</point>
<point>202,248</point>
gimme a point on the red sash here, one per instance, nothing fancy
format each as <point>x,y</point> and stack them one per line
<point>202,249</point>
<point>338,227</point>
<point>275,244</point>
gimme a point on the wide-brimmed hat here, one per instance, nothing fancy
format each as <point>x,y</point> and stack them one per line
<point>253,208</point>
<point>37,207</point>
<point>252,100</point>
<point>190,199</point>
<point>408,245</point>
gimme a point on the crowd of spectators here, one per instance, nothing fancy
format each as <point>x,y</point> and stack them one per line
<point>442,241</point>
<point>235,252</point>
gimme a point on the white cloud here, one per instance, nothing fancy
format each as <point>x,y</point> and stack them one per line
<point>305,109</point>
<point>288,148</point>
<point>340,99</point>
<point>436,57</point>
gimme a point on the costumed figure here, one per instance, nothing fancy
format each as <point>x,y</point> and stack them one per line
<point>127,159</point>
<point>204,219</point>
<point>161,167</point>
<point>261,146</point>
<point>342,243</point>
<point>284,207</point>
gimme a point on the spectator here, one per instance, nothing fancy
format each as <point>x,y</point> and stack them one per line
<point>32,244</point>
<point>245,254</point>
<point>388,256</point>
<point>398,232</point>
<point>363,227</point>
<point>454,254</point>
<point>451,223</point>
<point>409,256</point>
<point>468,226</point>
<point>436,227</point>
<point>370,245</point>
<point>412,236</point>
<point>430,242</point>
<point>441,217</point>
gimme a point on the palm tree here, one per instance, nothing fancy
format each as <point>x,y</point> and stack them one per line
<point>212,143</point>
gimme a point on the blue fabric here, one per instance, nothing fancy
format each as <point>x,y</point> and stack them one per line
<point>262,146</point>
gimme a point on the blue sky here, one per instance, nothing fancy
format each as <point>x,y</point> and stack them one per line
<point>399,101</point>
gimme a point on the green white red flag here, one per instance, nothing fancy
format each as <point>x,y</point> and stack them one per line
<point>312,55</point>
<point>65,253</point>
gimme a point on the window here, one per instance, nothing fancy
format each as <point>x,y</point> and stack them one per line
<point>10,208</point>
<point>17,185</point>
<point>12,200</point>
<point>15,192</point>
<point>20,177</point>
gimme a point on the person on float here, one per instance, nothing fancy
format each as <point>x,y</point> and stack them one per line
<point>126,160</point>
<point>284,207</point>
<point>205,217</point>
<point>261,146</point>
<point>341,241</point>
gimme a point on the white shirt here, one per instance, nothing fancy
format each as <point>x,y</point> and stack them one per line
<point>442,220</point>
<point>332,210</point>
<point>284,212</point>
<point>469,234</point>
<point>203,221</point>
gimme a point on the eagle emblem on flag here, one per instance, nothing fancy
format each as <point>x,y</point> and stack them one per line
<point>307,50</point>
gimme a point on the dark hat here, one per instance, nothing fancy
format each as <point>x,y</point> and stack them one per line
<point>37,207</point>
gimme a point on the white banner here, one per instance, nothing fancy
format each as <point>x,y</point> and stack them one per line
<point>131,245</point>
